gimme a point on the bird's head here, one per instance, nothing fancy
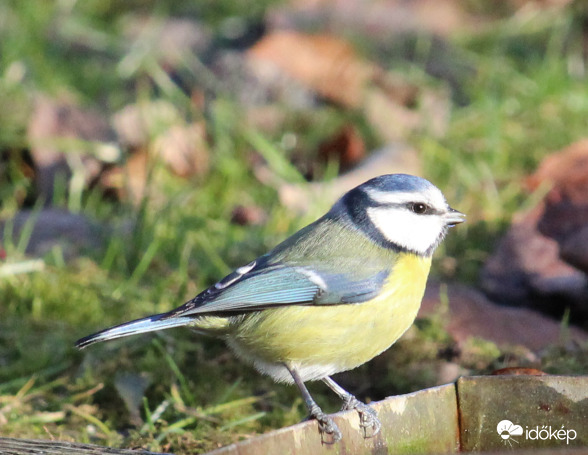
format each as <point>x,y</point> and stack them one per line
<point>399,211</point>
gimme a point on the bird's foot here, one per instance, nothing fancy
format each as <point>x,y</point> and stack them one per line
<point>330,433</point>
<point>368,418</point>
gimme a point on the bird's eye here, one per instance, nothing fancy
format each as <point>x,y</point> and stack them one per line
<point>418,207</point>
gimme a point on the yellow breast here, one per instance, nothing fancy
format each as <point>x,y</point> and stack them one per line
<point>341,337</point>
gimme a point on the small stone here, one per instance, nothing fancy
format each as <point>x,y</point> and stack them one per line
<point>471,314</point>
<point>542,261</point>
<point>54,228</point>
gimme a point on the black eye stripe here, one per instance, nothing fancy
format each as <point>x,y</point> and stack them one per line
<point>429,210</point>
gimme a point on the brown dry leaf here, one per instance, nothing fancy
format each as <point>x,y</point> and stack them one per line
<point>137,124</point>
<point>129,181</point>
<point>566,203</point>
<point>155,129</point>
<point>346,146</point>
<point>184,149</point>
<point>566,171</point>
<point>327,64</point>
<point>389,119</point>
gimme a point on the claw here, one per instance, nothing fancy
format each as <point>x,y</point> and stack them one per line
<point>327,426</point>
<point>325,423</point>
<point>368,418</point>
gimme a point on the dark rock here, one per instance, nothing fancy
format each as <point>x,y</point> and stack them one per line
<point>574,249</point>
<point>50,228</point>
<point>542,261</point>
<point>471,314</point>
<point>526,269</point>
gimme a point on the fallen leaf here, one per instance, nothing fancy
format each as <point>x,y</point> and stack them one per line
<point>346,147</point>
<point>129,180</point>
<point>137,125</point>
<point>566,172</point>
<point>330,66</point>
<point>327,64</point>
<point>183,148</point>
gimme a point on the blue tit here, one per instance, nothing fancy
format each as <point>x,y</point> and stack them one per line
<point>329,298</point>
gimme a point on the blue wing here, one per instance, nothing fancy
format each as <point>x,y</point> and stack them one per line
<point>259,285</point>
<point>299,271</point>
<point>254,287</point>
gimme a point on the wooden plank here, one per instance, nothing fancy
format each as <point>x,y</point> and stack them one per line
<point>438,420</point>
<point>416,423</point>
<point>12,446</point>
<point>537,412</point>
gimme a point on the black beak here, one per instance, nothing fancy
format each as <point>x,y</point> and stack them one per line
<point>453,217</point>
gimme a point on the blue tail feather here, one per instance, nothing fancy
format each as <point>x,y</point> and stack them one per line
<point>144,325</point>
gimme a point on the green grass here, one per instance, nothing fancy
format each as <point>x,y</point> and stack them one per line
<point>525,100</point>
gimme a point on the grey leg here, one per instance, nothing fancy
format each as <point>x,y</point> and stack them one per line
<point>367,416</point>
<point>326,424</point>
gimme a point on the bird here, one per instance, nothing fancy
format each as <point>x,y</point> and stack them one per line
<point>329,298</point>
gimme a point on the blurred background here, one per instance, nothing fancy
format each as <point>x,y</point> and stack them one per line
<point>148,148</point>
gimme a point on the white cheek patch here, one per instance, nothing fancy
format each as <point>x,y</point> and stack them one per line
<point>407,229</point>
